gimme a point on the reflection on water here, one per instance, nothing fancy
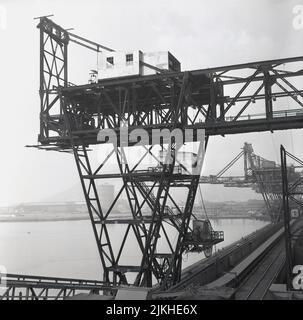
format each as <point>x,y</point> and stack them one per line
<point>67,248</point>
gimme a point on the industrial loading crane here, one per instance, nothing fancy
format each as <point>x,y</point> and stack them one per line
<point>151,98</point>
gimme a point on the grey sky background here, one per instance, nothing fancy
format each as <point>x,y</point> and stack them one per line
<point>199,33</point>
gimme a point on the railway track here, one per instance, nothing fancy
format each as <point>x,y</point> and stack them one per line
<point>193,272</point>
<point>264,274</point>
<point>256,286</point>
<point>196,272</point>
<point>252,277</point>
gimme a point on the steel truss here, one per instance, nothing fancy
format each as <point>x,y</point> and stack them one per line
<point>149,186</point>
<point>292,198</point>
<point>264,180</point>
<point>24,287</point>
<point>225,100</point>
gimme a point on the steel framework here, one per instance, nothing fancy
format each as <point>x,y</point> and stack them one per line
<point>224,100</point>
<point>24,287</point>
<point>262,175</point>
<point>292,198</point>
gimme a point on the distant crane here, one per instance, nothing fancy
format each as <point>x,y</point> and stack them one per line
<point>262,175</point>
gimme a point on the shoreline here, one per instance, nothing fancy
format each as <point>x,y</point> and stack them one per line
<point>83,218</point>
<point>47,219</point>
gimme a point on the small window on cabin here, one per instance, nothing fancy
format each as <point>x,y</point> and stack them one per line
<point>129,58</point>
<point>110,62</point>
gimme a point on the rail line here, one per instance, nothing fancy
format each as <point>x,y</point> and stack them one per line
<point>260,278</point>
<point>274,264</point>
<point>193,273</point>
<point>258,269</point>
<point>261,285</point>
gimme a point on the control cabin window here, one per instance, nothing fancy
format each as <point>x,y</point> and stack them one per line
<point>110,62</point>
<point>129,58</point>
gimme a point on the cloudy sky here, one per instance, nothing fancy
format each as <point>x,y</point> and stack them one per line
<point>200,34</point>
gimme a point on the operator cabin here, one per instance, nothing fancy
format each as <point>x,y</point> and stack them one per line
<point>133,63</point>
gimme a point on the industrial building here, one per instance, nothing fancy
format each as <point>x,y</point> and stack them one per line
<point>115,64</point>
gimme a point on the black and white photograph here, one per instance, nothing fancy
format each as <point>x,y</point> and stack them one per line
<point>151,153</point>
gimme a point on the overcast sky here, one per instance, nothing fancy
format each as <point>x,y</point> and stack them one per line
<point>200,34</point>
